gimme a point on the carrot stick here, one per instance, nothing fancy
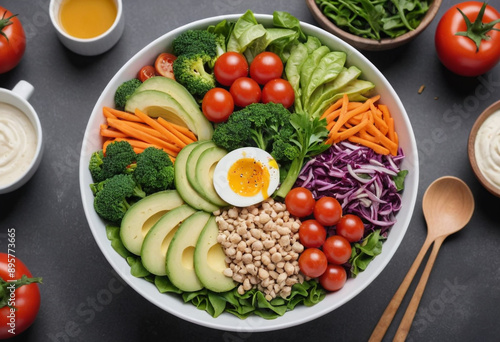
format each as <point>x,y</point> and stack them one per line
<point>107,113</point>
<point>333,107</point>
<point>351,131</point>
<point>379,122</point>
<point>141,135</point>
<point>165,132</point>
<point>386,142</point>
<point>123,115</point>
<point>138,143</point>
<point>111,133</point>
<point>391,132</point>
<point>178,135</point>
<point>144,127</point>
<point>348,115</point>
<point>183,130</point>
<point>334,114</point>
<point>377,148</point>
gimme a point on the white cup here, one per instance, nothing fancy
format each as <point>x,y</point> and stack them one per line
<point>89,46</point>
<point>18,98</point>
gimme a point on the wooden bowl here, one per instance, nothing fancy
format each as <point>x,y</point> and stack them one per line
<point>372,44</point>
<point>495,190</point>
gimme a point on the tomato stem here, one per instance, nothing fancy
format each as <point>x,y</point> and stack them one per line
<point>4,22</point>
<point>6,287</point>
<point>478,30</point>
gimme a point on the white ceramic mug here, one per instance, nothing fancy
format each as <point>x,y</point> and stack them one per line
<point>18,98</point>
<point>89,46</point>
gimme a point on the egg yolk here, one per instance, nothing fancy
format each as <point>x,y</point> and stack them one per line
<point>247,177</point>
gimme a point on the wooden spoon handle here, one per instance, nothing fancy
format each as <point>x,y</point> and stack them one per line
<point>405,325</point>
<point>391,309</point>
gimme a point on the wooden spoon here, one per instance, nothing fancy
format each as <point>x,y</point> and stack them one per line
<point>448,205</point>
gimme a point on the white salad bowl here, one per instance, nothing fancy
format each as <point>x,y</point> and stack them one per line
<point>301,314</point>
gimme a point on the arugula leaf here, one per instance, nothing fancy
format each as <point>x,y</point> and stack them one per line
<point>399,180</point>
<point>364,252</point>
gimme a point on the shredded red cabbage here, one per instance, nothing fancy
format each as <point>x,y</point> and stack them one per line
<point>360,179</point>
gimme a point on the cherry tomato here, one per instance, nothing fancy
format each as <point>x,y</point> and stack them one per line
<point>334,278</point>
<point>146,72</point>
<point>351,227</point>
<point>312,262</point>
<point>25,299</point>
<point>164,65</point>
<point>12,40</point>
<point>337,249</point>
<point>327,211</point>
<point>300,202</point>
<point>217,105</point>
<point>459,53</point>
<point>278,91</point>
<point>230,66</point>
<point>266,66</point>
<point>245,91</point>
<point>312,234</point>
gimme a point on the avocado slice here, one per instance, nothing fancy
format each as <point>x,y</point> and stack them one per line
<point>204,185</point>
<point>180,255</point>
<point>160,104</point>
<point>209,260</point>
<point>179,93</point>
<point>157,240</point>
<point>182,184</point>
<point>204,175</point>
<point>142,215</point>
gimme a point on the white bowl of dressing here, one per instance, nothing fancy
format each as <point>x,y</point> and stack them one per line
<point>484,148</point>
<point>21,143</point>
<point>94,44</point>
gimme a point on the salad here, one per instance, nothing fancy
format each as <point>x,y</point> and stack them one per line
<point>240,156</point>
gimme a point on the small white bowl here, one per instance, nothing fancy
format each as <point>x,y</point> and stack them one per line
<point>18,97</point>
<point>472,148</point>
<point>91,46</point>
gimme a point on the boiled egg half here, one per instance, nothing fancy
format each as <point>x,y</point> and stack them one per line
<point>246,176</point>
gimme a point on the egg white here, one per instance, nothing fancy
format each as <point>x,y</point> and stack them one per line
<point>221,182</point>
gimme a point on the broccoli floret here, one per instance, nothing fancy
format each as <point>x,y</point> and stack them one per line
<point>124,91</point>
<point>198,41</point>
<point>119,155</point>
<point>95,165</point>
<point>233,134</point>
<point>154,171</point>
<point>193,71</point>
<point>266,126</point>
<point>284,151</point>
<point>115,195</point>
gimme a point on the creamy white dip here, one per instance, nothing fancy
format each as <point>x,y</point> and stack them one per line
<point>17,143</point>
<point>487,148</point>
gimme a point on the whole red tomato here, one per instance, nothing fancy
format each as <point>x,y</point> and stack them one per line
<point>312,262</point>
<point>229,67</point>
<point>333,278</point>
<point>455,48</point>
<point>327,211</point>
<point>12,40</point>
<point>19,306</point>
<point>245,91</point>
<point>300,202</point>
<point>278,90</point>
<point>217,105</point>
